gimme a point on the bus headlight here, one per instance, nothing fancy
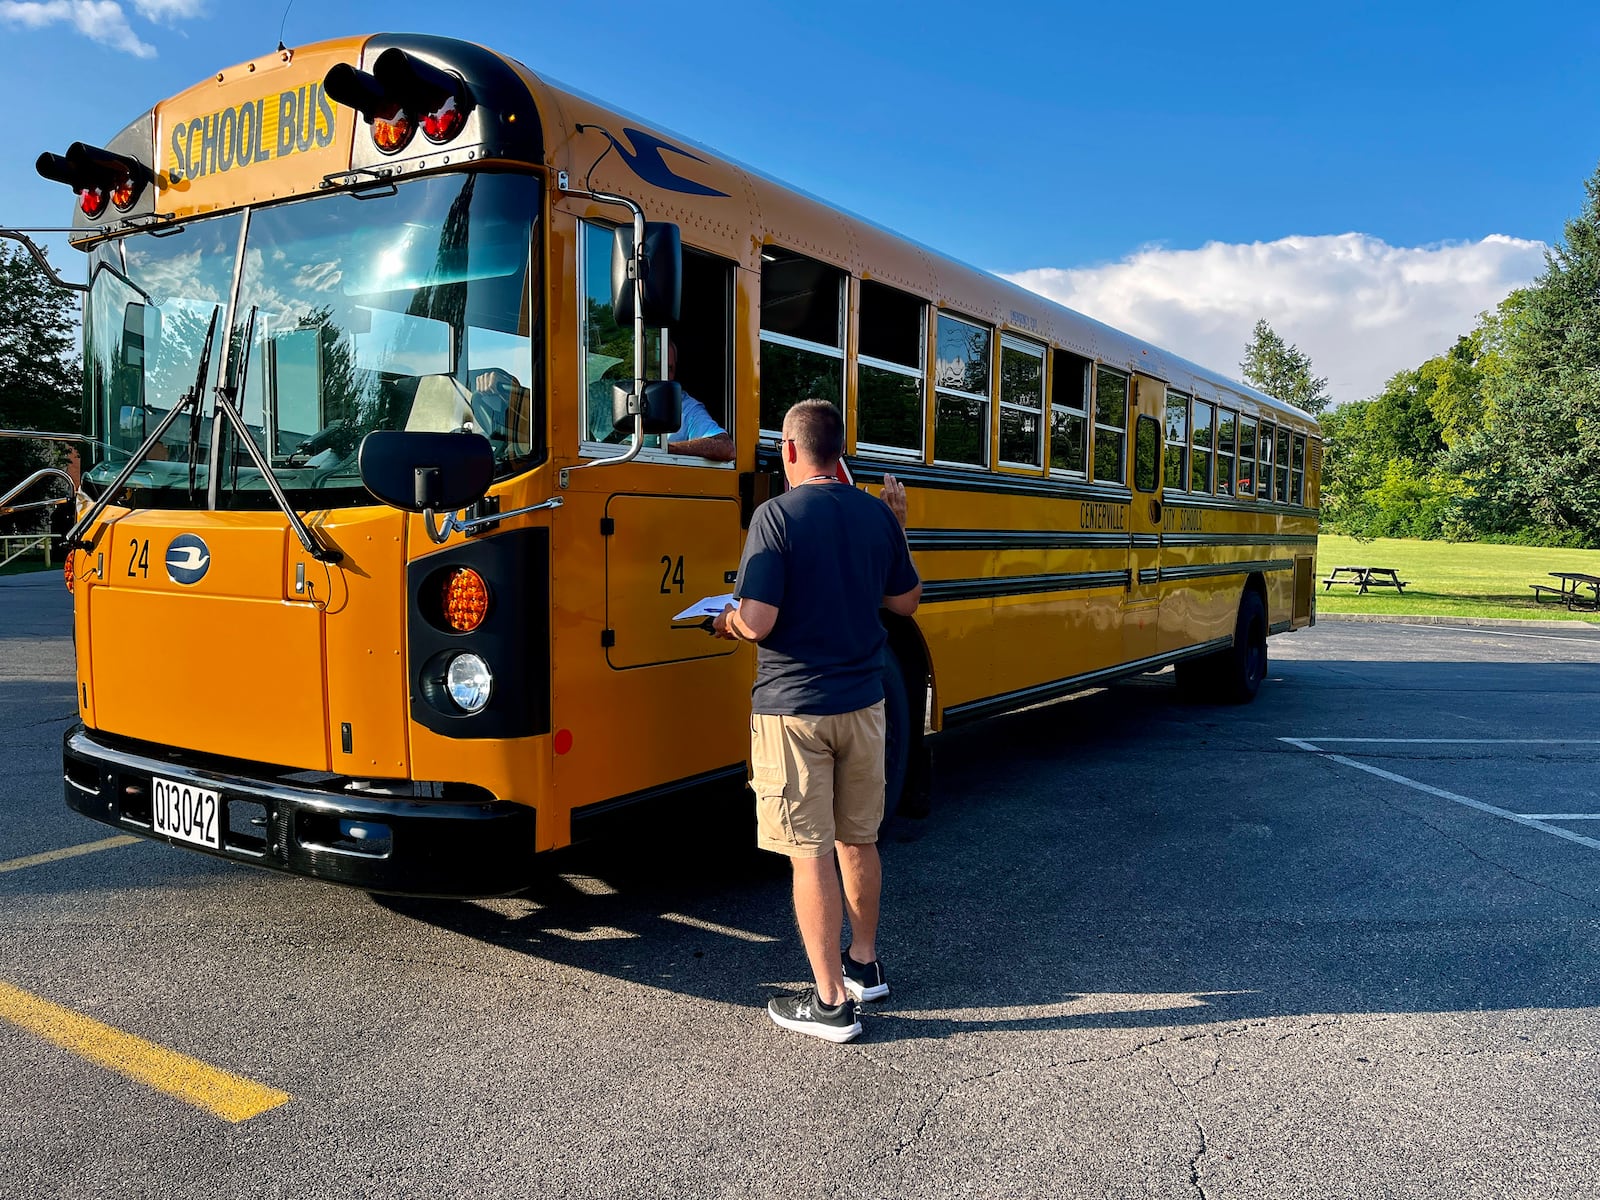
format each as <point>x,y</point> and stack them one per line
<point>469,682</point>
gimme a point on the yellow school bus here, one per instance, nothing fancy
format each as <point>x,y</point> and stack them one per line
<point>391,513</point>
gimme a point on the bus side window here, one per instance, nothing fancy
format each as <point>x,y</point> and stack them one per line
<point>802,335</point>
<point>1110,425</point>
<point>704,336</point>
<point>607,346</point>
<point>961,416</point>
<point>1069,414</point>
<point>890,391</point>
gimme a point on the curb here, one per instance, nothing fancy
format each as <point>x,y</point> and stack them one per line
<point>1461,622</point>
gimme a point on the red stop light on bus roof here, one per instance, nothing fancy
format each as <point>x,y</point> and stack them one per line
<point>97,175</point>
<point>401,92</point>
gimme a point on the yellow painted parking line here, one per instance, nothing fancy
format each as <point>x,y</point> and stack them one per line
<point>225,1095</point>
<point>50,856</point>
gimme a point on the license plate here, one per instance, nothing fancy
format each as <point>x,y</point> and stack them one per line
<point>185,812</point>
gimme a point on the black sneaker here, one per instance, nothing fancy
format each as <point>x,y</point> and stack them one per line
<point>864,981</point>
<point>804,1013</point>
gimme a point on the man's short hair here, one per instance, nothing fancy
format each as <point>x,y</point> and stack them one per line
<point>817,428</point>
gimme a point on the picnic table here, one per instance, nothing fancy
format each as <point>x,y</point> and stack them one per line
<point>1566,591</point>
<point>1365,577</point>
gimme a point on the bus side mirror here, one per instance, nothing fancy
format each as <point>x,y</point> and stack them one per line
<point>661,268</point>
<point>661,407</point>
<point>441,472</point>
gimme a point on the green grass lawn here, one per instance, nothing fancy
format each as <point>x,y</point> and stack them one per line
<point>1454,579</point>
<point>31,562</point>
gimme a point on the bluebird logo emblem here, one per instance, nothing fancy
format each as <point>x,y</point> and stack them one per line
<point>644,157</point>
<point>187,559</point>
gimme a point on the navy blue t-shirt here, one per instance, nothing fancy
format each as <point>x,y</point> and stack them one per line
<point>825,555</point>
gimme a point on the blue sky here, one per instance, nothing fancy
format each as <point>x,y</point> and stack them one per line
<point>1367,179</point>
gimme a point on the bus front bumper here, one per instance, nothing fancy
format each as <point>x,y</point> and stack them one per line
<point>369,839</point>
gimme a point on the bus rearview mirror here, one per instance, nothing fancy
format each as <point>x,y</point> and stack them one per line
<point>661,407</point>
<point>416,471</point>
<point>661,268</point>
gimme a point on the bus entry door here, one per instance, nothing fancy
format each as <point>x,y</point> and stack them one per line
<point>1141,613</point>
<point>663,553</point>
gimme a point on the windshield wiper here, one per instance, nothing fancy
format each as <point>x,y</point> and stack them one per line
<point>225,404</point>
<point>74,538</point>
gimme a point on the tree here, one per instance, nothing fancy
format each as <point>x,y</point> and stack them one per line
<point>40,379</point>
<point>1380,473</point>
<point>1282,371</point>
<point>1533,464</point>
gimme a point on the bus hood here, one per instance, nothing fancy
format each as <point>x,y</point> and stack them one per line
<point>216,633</point>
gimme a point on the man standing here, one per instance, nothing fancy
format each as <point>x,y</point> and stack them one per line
<point>819,563</point>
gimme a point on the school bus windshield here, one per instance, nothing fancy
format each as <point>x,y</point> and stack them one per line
<point>410,309</point>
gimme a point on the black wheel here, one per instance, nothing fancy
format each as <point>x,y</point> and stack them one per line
<point>1234,675</point>
<point>896,733</point>
<point>1197,678</point>
<point>1241,670</point>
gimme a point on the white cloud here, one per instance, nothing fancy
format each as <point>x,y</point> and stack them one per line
<point>102,21</point>
<point>168,11</point>
<point>1361,308</point>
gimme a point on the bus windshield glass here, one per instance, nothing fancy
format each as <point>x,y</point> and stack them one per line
<point>406,311</point>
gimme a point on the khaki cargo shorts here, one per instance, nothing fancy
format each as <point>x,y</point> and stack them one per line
<point>817,780</point>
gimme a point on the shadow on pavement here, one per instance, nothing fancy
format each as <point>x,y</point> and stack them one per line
<point>1120,860</point>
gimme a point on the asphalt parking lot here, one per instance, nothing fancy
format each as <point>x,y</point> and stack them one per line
<point>1340,942</point>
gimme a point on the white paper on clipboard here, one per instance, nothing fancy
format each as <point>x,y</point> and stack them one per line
<point>709,607</point>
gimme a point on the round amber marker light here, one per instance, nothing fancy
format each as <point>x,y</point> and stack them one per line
<point>69,571</point>
<point>466,599</point>
<point>392,130</point>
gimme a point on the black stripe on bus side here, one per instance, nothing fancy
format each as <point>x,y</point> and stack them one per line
<point>937,590</point>
<point>1206,570</point>
<point>975,710</point>
<point>1281,627</point>
<point>1150,576</point>
<point>1224,504</point>
<point>1240,539</point>
<point>1013,539</point>
<point>1049,539</point>
<point>956,480</point>
<point>981,480</point>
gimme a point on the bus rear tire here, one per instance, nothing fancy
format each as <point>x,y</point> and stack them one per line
<point>1234,675</point>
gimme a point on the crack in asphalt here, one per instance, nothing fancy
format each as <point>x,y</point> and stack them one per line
<point>1204,1146</point>
<point>71,716</point>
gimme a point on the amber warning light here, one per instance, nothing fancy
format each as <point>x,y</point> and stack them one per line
<point>466,599</point>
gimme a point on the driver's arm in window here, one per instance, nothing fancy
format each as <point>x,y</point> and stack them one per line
<point>698,432</point>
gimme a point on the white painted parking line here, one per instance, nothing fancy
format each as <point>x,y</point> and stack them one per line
<point>1306,745</point>
<point>1561,816</point>
<point>1441,793</point>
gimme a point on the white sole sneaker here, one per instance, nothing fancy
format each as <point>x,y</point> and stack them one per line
<point>859,991</point>
<point>828,1033</point>
<point>862,994</point>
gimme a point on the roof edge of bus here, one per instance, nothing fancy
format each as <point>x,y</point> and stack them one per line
<point>1138,346</point>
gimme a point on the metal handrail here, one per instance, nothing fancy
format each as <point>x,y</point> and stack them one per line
<point>29,544</point>
<point>7,508</point>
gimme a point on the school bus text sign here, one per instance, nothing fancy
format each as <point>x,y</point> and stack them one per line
<point>260,131</point>
<point>256,131</point>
